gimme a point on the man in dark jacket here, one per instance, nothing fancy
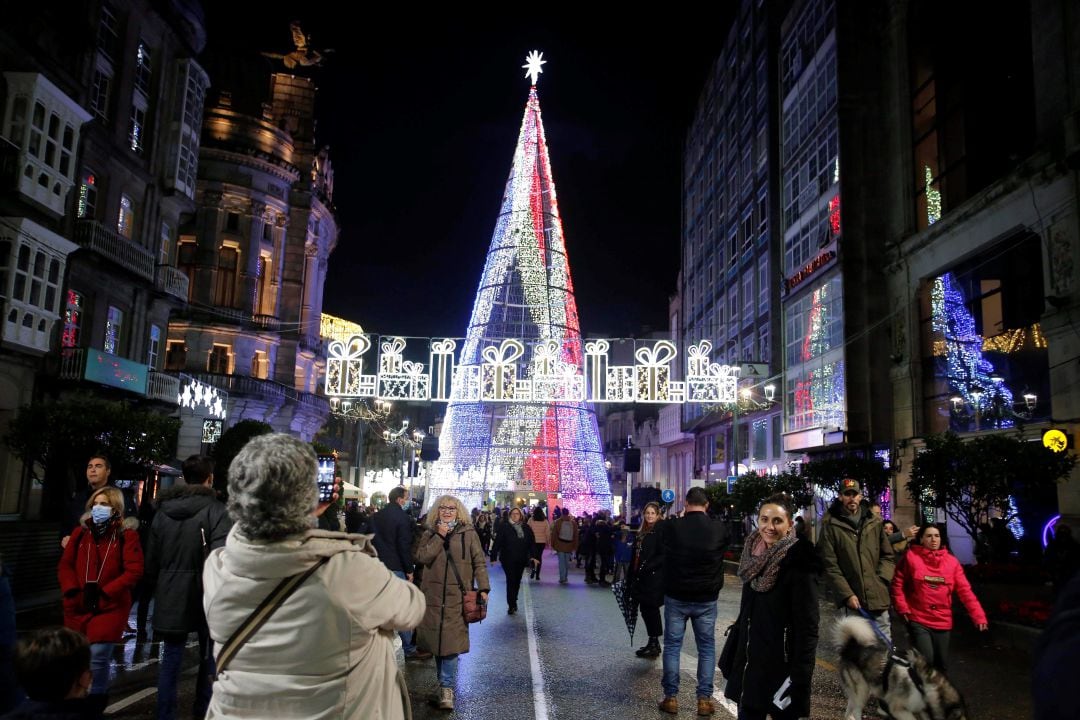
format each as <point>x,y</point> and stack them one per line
<point>393,541</point>
<point>693,549</point>
<point>859,560</point>
<point>98,475</point>
<point>189,523</point>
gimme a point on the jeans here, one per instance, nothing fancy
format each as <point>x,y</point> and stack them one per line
<point>931,644</point>
<point>172,656</point>
<point>881,620</point>
<point>702,616</point>
<point>446,668</point>
<point>564,566</point>
<point>407,645</point>
<point>100,661</point>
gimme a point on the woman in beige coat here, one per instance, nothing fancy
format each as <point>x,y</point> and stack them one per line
<point>449,537</point>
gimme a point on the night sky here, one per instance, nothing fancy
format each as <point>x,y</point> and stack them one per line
<point>422,114</point>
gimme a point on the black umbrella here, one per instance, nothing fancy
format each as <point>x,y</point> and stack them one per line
<point>627,604</point>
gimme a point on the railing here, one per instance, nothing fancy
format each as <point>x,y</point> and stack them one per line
<point>228,316</point>
<point>72,363</point>
<point>172,281</point>
<point>95,236</point>
<point>316,402</point>
<point>160,386</point>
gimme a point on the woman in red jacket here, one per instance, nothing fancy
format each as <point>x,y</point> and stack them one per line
<point>99,567</point>
<point>923,589</point>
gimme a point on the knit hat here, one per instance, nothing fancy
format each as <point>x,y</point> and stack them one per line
<point>272,487</point>
<point>849,484</point>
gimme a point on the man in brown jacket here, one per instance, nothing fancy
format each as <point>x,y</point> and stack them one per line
<point>564,541</point>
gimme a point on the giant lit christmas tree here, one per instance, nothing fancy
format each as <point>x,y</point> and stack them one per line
<point>525,293</point>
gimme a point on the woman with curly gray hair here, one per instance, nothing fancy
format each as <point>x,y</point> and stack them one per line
<point>449,550</point>
<point>327,650</point>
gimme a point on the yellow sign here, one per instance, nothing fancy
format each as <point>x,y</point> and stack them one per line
<point>1055,440</point>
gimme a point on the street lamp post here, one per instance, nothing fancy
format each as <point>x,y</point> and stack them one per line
<point>361,413</point>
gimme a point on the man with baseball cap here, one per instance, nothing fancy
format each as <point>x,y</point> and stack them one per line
<point>859,560</point>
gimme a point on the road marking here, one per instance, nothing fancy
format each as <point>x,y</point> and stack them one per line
<point>144,693</point>
<point>539,697</point>
<point>130,700</point>
<point>686,662</point>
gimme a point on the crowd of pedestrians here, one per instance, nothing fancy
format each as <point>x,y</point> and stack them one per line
<point>295,618</point>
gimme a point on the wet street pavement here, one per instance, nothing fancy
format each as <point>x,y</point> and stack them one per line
<point>567,654</point>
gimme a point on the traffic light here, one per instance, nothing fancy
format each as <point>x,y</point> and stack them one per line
<point>429,448</point>
<point>632,460</point>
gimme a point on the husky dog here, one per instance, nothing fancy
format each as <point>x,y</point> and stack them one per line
<point>906,687</point>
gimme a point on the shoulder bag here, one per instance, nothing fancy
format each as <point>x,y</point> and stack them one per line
<point>262,613</point>
<point>473,607</point>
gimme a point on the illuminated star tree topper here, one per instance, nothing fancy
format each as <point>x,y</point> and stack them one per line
<point>532,65</point>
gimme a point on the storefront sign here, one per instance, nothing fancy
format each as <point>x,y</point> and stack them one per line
<point>1055,440</point>
<point>826,258</point>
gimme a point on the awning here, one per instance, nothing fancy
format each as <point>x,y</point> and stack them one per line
<point>350,491</point>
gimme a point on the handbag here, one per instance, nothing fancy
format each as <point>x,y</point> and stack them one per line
<point>731,646</point>
<point>262,613</point>
<point>473,607</point>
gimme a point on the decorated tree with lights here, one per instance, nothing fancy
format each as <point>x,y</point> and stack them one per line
<point>970,375</point>
<point>525,293</point>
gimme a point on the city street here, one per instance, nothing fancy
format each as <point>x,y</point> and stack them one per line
<point>567,654</point>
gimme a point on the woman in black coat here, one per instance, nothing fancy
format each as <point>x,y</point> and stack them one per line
<point>771,660</point>
<point>513,548</point>
<point>646,578</point>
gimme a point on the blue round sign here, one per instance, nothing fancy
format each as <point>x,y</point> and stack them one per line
<point>668,496</point>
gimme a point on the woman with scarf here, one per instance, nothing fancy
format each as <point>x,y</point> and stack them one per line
<point>646,578</point>
<point>101,564</point>
<point>769,671</point>
<point>453,563</point>
<point>513,548</point>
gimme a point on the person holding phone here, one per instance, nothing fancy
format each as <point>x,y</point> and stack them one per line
<point>513,548</point>
<point>100,566</point>
<point>448,538</point>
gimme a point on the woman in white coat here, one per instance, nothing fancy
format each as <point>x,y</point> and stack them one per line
<point>327,651</point>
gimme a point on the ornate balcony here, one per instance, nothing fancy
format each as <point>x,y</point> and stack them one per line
<point>161,386</point>
<point>172,281</point>
<point>115,247</point>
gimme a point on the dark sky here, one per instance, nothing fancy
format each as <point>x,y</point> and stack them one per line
<point>422,114</point>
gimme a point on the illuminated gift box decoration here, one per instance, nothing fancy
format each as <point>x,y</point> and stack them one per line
<point>708,381</point>
<point>596,361</point>
<point>345,366</point>
<point>442,368</point>
<point>653,372</point>
<point>499,372</point>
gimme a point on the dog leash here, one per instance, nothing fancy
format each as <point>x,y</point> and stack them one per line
<point>873,624</point>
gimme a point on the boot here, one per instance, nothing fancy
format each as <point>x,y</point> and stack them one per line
<point>651,650</point>
<point>446,698</point>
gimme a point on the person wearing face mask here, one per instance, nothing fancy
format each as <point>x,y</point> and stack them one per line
<point>513,548</point>
<point>100,566</point>
<point>453,563</point>
<point>923,588</point>
<point>775,638</point>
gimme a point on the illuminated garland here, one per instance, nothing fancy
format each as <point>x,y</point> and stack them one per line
<point>525,292</point>
<point>933,199</point>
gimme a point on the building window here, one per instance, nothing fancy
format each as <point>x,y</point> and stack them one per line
<point>125,219</point>
<point>748,299</point>
<point>153,347</point>
<point>142,69</point>
<point>108,38</point>
<point>87,205</point>
<point>777,437</point>
<point>73,310</point>
<point>260,365</point>
<point>763,344</point>
<point>166,244</point>
<point>228,262</point>
<point>22,269</point>
<point>763,284</point>
<point>114,323</point>
<point>100,90</point>
<point>218,360</point>
<point>137,128</point>
<point>37,130</point>
<point>176,355</point>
